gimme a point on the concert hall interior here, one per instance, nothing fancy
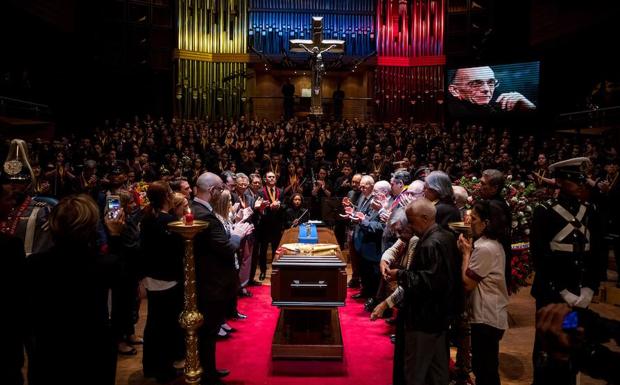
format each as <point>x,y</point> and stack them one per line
<point>294,191</point>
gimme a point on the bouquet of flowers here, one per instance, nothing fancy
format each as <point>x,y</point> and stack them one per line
<point>139,190</point>
<point>522,199</point>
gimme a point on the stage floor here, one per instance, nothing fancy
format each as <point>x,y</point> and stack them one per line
<point>368,351</point>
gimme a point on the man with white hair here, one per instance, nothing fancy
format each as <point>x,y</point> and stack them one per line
<point>471,92</point>
<point>460,198</point>
<point>438,189</point>
<point>215,270</point>
<point>367,238</point>
<point>433,289</point>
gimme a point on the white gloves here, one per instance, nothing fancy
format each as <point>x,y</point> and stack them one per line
<point>583,301</point>
<point>568,297</point>
<point>585,298</point>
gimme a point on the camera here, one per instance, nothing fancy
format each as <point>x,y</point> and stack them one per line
<point>113,206</point>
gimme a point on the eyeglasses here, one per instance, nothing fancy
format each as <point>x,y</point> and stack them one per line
<point>479,83</point>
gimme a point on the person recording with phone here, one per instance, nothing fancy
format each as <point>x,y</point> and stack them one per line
<point>163,279</point>
<point>122,219</point>
<point>573,341</point>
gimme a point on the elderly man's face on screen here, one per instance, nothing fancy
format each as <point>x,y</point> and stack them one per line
<point>475,85</point>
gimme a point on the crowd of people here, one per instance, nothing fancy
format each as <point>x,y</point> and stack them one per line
<point>387,189</point>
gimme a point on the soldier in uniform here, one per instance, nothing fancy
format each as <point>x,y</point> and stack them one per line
<point>564,247</point>
<point>22,232</point>
<point>28,220</point>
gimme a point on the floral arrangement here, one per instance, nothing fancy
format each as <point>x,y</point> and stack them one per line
<point>522,198</point>
<point>139,190</point>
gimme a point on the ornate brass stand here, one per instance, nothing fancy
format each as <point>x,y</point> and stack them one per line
<point>190,319</point>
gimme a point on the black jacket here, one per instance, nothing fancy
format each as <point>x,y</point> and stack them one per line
<point>559,270</point>
<point>214,250</point>
<point>162,250</point>
<point>433,286</point>
<point>67,295</point>
<point>447,212</point>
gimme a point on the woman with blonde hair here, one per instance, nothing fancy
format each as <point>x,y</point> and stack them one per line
<point>67,295</point>
<point>179,205</point>
<point>222,208</point>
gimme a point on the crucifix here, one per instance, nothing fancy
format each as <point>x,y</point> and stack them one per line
<point>317,47</point>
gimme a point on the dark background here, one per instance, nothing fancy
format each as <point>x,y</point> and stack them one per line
<point>91,60</point>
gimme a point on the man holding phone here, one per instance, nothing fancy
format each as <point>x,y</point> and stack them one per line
<point>116,178</point>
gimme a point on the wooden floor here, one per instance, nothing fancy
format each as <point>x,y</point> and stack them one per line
<point>515,347</point>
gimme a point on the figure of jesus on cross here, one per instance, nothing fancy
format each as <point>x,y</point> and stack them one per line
<point>316,47</point>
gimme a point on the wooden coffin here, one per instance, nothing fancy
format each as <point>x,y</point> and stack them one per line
<point>308,280</point>
<point>308,288</point>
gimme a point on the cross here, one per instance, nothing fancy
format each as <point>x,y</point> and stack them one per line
<point>317,47</point>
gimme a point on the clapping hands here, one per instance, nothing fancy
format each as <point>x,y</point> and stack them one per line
<point>379,202</point>
<point>242,229</point>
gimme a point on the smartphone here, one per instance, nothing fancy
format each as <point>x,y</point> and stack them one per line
<point>571,321</point>
<point>113,206</point>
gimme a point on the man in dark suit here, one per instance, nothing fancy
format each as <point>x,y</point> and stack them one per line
<point>270,230</point>
<point>367,240</point>
<point>353,196</point>
<point>215,270</point>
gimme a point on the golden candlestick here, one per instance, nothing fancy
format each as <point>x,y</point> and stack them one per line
<point>190,319</point>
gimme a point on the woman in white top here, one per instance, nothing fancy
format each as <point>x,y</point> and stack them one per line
<point>484,279</point>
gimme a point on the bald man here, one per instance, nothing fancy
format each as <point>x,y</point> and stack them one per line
<point>215,270</point>
<point>472,90</point>
<point>433,289</point>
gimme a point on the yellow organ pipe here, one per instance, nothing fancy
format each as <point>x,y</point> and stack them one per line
<point>201,29</point>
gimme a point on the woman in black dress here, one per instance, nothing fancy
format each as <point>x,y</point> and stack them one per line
<point>294,211</point>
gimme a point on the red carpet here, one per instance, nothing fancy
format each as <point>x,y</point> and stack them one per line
<point>367,349</point>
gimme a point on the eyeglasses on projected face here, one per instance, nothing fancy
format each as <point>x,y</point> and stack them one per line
<point>477,84</point>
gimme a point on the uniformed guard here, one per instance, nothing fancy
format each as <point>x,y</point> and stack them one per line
<point>564,247</point>
<point>28,220</point>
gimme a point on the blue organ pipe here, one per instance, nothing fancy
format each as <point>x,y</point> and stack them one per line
<point>279,22</point>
